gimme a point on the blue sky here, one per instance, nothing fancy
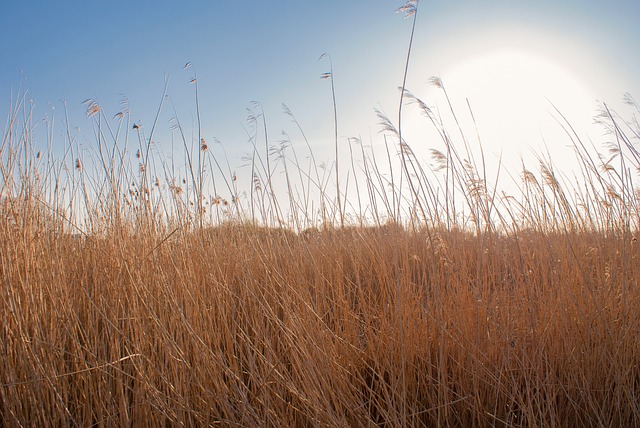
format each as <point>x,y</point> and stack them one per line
<point>268,52</point>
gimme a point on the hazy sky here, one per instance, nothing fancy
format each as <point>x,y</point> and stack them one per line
<point>500,54</point>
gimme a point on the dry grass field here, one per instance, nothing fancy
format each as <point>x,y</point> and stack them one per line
<point>403,295</point>
<point>145,314</point>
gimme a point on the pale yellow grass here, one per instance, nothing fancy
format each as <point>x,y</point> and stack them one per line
<point>246,326</point>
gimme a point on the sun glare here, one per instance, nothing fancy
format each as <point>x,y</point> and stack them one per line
<point>514,94</point>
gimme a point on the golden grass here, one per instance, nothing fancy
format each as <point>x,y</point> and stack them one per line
<point>248,326</point>
<point>129,305</point>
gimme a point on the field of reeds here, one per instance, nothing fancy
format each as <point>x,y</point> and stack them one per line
<point>416,294</point>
